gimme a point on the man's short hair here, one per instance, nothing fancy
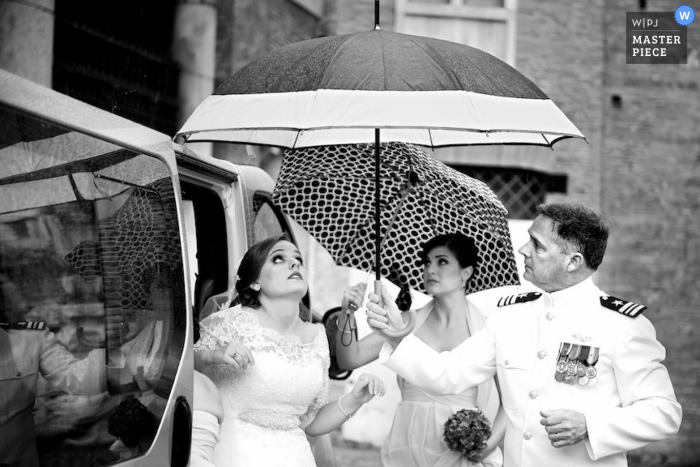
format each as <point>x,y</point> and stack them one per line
<point>580,227</point>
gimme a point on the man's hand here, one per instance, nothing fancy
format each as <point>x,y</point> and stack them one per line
<point>565,427</point>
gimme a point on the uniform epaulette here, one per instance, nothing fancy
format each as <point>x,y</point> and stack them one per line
<point>25,325</point>
<point>519,298</point>
<point>630,309</point>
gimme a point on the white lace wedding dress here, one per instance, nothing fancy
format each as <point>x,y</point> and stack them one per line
<point>266,405</point>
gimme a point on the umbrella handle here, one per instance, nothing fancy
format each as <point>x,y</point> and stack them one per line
<point>389,333</point>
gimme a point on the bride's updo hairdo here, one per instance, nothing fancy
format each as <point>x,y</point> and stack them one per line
<point>249,270</point>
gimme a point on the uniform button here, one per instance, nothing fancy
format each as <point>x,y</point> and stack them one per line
<point>527,435</point>
<point>506,363</point>
<point>19,373</point>
<point>533,394</point>
<point>541,354</point>
<point>550,316</point>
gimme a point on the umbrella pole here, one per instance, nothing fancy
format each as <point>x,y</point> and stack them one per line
<point>377,206</point>
<point>410,324</point>
<point>376,19</point>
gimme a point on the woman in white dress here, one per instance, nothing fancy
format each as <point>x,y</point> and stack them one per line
<point>271,367</point>
<point>416,436</point>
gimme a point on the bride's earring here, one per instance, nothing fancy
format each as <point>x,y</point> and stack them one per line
<point>255,286</point>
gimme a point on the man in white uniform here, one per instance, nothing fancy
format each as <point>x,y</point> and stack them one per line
<point>580,372</point>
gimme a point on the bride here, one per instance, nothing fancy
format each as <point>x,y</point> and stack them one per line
<point>271,367</point>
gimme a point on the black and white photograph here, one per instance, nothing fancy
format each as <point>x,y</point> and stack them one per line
<point>349,233</point>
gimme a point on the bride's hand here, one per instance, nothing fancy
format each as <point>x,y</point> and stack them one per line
<point>353,296</point>
<point>235,354</point>
<point>366,387</point>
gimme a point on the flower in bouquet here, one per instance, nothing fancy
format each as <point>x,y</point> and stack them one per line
<point>467,431</point>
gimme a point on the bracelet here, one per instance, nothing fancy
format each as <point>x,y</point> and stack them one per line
<point>343,330</point>
<point>347,415</point>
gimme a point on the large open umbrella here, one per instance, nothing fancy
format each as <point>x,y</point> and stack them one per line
<point>378,86</point>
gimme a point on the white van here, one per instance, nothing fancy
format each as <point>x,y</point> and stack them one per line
<point>111,239</point>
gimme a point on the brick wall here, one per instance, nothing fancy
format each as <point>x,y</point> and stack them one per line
<point>560,46</point>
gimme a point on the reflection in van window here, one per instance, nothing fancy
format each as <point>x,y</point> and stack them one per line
<point>267,223</point>
<point>92,307</point>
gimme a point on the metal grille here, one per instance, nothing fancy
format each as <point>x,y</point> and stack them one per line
<point>519,190</point>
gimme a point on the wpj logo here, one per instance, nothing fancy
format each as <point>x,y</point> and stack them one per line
<point>658,37</point>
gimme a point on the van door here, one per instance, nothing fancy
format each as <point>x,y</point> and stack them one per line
<point>93,309</point>
<point>226,209</point>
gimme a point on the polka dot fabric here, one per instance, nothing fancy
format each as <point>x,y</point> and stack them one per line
<point>330,192</point>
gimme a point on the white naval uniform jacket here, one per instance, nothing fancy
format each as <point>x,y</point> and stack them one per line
<point>631,405</point>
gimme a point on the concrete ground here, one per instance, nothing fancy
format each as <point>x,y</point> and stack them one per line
<point>356,456</point>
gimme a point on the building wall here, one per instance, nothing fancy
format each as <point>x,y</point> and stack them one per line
<point>247,29</point>
<point>560,47</point>
<point>347,17</point>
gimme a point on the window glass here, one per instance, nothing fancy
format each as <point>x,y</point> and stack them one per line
<point>519,190</point>
<point>267,220</point>
<point>92,305</point>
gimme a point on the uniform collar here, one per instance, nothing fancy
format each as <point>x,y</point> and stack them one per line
<point>572,295</point>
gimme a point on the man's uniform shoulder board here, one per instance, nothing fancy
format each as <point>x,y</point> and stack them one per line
<point>630,309</point>
<point>25,325</point>
<point>518,298</point>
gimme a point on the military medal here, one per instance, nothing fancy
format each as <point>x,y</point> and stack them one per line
<point>592,356</point>
<point>576,364</point>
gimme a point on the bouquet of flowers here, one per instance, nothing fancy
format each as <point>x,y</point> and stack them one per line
<point>467,431</point>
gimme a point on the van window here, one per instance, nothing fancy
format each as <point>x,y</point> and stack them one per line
<point>92,305</point>
<point>269,220</point>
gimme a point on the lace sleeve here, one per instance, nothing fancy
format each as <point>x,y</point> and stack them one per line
<point>212,332</point>
<point>321,397</point>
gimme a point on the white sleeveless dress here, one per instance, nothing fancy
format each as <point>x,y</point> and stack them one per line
<point>267,405</point>
<point>416,436</point>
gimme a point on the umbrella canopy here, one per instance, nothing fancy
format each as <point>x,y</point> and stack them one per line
<point>330,192</point>
<point>338,89</point>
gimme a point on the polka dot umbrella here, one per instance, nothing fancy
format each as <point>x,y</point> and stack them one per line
<point>330,192</point>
